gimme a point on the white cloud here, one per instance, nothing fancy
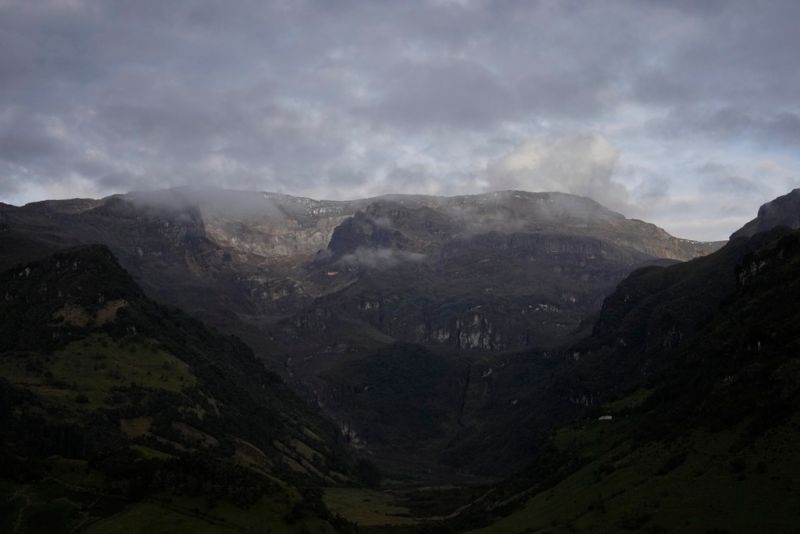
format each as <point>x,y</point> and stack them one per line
<point>581,164</point>
<point>380,258</point>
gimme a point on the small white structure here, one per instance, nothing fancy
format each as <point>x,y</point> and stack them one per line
<point>605,418</point>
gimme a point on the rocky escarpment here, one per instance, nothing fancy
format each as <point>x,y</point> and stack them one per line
<point>423,275</point>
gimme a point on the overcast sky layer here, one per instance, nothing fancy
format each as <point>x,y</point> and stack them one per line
<point>686,114</point>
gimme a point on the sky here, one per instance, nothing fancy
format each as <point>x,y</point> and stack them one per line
<point>682,113</point>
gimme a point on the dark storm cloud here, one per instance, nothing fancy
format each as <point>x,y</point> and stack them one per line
<point>348,98</point>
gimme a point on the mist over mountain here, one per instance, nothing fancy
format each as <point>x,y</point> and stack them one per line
<point>320,288</point>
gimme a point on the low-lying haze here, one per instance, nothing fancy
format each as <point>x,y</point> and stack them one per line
<point>682,113</point>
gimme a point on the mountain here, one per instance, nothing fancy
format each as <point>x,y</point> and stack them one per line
<point>326,291</point>
<point>656,310</point>
<point>677,411</point>
<point>640,329</point>
<point>706,445</point>
<point>263,247</point>
<point>118,414</point>
<point>450,340</point>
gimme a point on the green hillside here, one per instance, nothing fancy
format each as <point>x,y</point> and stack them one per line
<point>118,415</point>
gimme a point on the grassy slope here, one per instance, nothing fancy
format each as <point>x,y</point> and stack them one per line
<point>368,508</point>
<point>697,483</point>
<point>95,367</point>
<point>142,420</point>
<point>75,498</point>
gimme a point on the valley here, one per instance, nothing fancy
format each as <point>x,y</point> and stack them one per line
<point>400,370</point>
<point>327,293</point>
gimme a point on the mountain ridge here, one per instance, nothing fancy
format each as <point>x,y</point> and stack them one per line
<point>312,286</point>
<point>247,204</point>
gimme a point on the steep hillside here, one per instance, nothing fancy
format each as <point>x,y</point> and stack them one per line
<point>120,415</point>
<point>643,325</point>
<point>655,310</point>
<point>708,446</point>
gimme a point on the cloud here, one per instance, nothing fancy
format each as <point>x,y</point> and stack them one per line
<point>380,258</point>
<point>579,164</point>
<point>721,196</point>
<point>444,93</point>
<point>351,98</point>
<point>24,137</point>
<point>718,178</point>
<point>780,129</point>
